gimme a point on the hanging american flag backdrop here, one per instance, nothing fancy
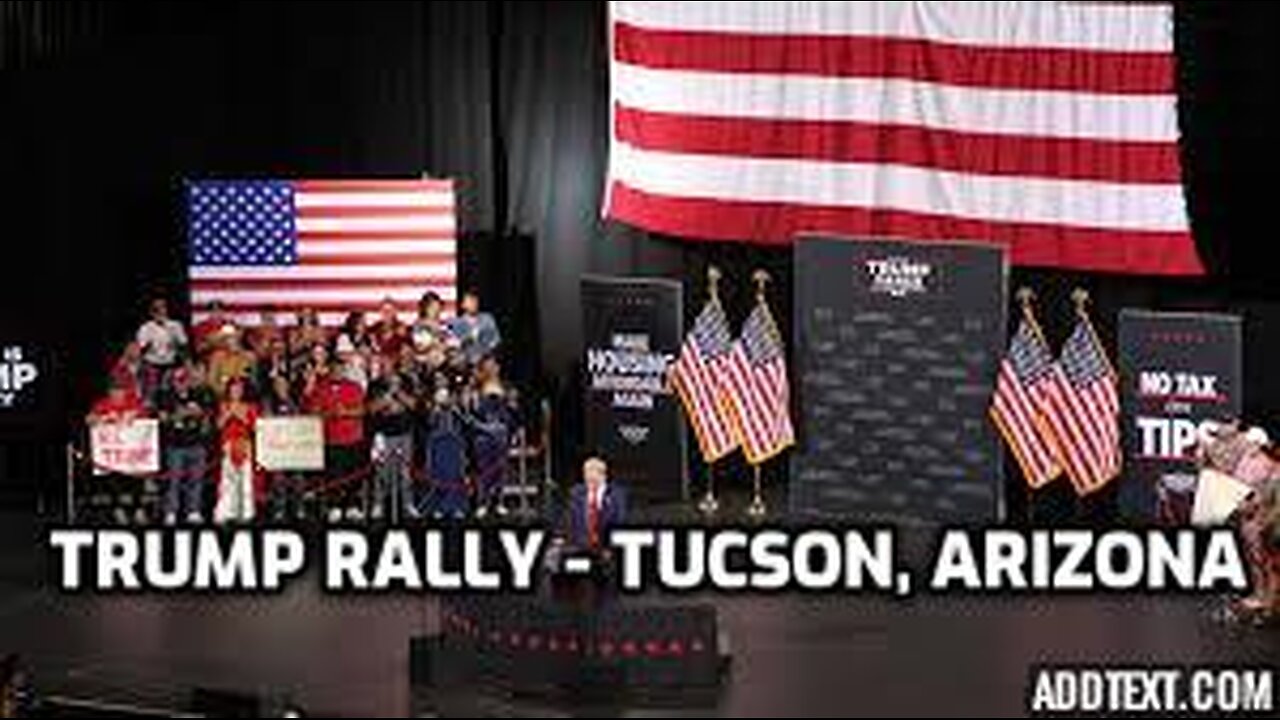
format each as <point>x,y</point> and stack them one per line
<point>1046,127</point>
<point>332,245</point>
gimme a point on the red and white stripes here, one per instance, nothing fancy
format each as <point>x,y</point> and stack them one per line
<point>1050,128</point>
<point>1016,410</point>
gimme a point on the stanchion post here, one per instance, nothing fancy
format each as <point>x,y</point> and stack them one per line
<point>757,508</point>
<point>546,443</point>
<point>1028,505</point>
<point>392,495</point>
<point>71,482</point>
<point>522,470</point>
<point>709,505</point>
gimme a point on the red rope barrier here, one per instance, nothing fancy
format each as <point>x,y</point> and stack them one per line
<point>321,486</point>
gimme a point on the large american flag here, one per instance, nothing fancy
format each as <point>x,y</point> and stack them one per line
<point>758,389</point>
<point>699,376</point>
<point>1018,408</point>
<point>332,245</point>
<point>1049,128</point>
<point>1088,409</point>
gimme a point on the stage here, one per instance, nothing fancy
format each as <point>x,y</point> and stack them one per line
<point>792,655</point>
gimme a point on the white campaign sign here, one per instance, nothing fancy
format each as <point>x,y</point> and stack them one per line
<point>1217,496</point>
<point>290,443</point>
<point>131,447</point>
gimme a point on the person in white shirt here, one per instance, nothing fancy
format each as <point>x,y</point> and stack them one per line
<point>163,343</point>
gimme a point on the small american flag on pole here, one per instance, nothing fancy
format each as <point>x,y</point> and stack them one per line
<point>332,245</point>
<point>759,392</point>
<point>699,376</point>
<point>1022,390</point>
<point>1089,410</point>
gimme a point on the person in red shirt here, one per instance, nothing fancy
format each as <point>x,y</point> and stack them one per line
<point>388,334</point>
<point>237,486</point>
<point>207,334</point>
<point>122,403</point>
<point>340,400</point>
<point>125,370</point>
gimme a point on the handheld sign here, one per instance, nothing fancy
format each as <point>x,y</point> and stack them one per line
<point>290,443</point>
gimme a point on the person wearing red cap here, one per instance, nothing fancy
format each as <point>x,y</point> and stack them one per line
<point>329,391</point>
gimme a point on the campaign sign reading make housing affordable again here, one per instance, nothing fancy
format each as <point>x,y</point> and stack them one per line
<point>631,330</point>
<point>897,344</point>
<point>1177,370</point>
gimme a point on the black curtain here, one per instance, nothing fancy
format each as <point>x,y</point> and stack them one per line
<point>109,105</point>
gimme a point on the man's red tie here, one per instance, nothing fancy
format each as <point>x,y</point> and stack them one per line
<point>593,519</point>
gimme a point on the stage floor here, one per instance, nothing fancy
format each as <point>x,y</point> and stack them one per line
<point>792,655</point>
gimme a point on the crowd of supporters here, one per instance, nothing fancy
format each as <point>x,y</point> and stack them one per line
<point>416,416</point>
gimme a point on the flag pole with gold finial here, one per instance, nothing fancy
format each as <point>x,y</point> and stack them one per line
<point>757,508</point>
<point>1081,298</point>
<point>1026,296</point>
<point>709,505</point>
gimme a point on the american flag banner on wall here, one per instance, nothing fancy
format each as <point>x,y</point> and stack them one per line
<point>1018,409</point>
<point>759,392</point>
<point>332,245</point>
<point>1049,128</point>
<point>700,376</point>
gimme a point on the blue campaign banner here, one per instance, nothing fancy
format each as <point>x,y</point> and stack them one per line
<point>1177,371</point>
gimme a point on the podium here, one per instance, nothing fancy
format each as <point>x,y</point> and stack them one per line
<point>562,649</point>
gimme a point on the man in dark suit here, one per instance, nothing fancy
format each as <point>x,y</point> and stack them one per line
<point>595,507</point>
